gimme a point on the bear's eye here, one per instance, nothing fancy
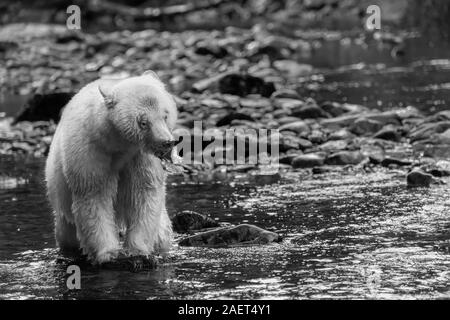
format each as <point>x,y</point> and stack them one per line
<point>143,122</point>
<point>166,116</point>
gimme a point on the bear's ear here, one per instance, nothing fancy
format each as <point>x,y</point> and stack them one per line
<point>152,74</point>
<point>107,96</point>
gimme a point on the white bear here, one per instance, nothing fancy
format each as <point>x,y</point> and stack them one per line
<point>104,170</point>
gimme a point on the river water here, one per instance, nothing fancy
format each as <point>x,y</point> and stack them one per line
<point>346,235</point>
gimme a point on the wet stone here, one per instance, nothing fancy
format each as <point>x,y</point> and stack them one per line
<point>244,234</point>
<point>386,162</point>
<point>45,107</point>
<point>345,158</point>
<point>363,126</point>
<point>298,127</point>
<point>342,134</point>
<point>189,220</point>
<point>389,133</point>
<point>310,111</point>
<point>308,161</point>
<point>334,145</point>
<point>418,178</point>
<point>228,119</point>
<point>244,84</point>
<point>333,108</point>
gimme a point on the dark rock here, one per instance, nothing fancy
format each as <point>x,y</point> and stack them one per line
<point>345,158</point>
<point>386,162</point>
<point>188,221</point>
<point>287,159</point>
<point>317,137</point>
<point>228,119</point>
<point>8,45</point>
<point>310,111</point>
<point>347,120</point>
<point>334,145</point>
<point>364,126</point>
<point>440,173</point>
<point>308,161</point>
<point>288,142</point>
<point>418,178</point>
<point>432,150</point>
<point>213,49</point>
<point>244,84</point>
<point>244,234</point>
<point>373,149</point>
<point>286,93</point>
<point>389,133</point>
<point>45,107</point>
<point>298,127</point>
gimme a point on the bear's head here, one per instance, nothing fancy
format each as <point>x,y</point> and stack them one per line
<point>142,112</point>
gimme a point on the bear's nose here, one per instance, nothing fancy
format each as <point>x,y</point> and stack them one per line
<point>169,144</point>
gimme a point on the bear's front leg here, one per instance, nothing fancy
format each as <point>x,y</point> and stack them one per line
<point>95,223</point>
<point>141,204</point>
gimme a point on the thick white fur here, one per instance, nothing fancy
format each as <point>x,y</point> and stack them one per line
<point>102,174</point>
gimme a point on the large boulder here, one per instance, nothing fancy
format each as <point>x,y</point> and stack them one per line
<point>308,161</point>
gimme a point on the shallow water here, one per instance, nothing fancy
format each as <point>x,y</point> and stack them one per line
<point>346,235</point>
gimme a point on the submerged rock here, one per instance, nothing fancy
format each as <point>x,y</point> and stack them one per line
<point>244,234</point>
<point>189,220</point>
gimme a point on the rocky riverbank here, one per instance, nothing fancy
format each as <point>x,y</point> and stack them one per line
<point>231,79</point>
